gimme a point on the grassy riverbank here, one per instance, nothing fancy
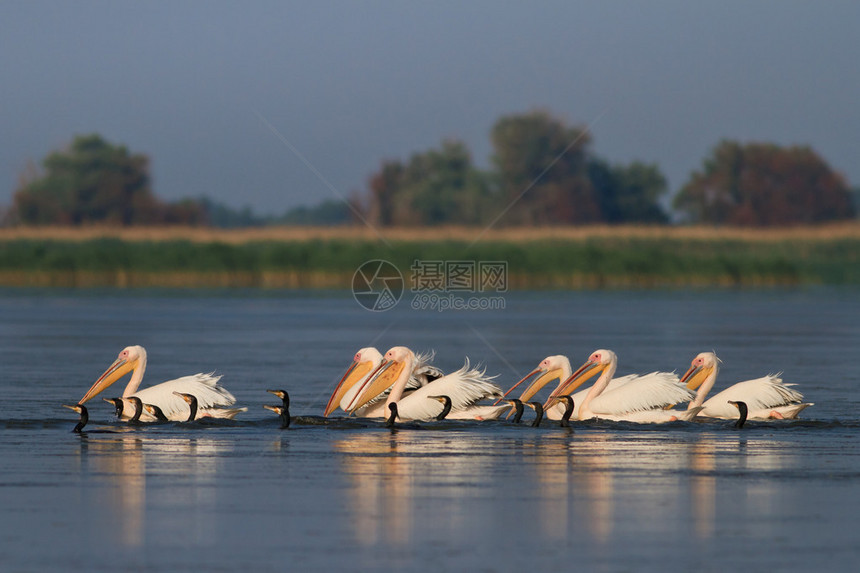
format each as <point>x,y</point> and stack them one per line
<point>327,258</point>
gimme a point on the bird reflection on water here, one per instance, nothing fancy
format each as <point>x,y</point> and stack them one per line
<point>136,471</point>
<point>582,483</point>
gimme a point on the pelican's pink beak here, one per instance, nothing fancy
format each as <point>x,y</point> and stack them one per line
<point>378,382</point>
<point>583,373</point>
<point>356,371</point>
<point>527,376</point>
<point>117,370</point>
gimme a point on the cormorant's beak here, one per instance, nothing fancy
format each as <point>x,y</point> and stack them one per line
<point>117,370</point>
<point>355,372</point>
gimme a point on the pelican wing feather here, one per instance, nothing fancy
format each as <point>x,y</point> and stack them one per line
<point>765,393</point>
<point>647,392</point>
<point>204,387</point>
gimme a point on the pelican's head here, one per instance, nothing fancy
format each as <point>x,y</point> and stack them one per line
<point>363,363</point>
<point>599,362</point>
<point>703,366</point>
<point>129,359</point>
<point>384,376</point>
<point>550,368</point>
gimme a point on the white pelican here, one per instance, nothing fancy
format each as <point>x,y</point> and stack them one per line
<point>364,363</point>
<point>465,387</point>
<point>558,368</point>
<point>132,359</point>
<point>765,397</point>
<point>642,399</point>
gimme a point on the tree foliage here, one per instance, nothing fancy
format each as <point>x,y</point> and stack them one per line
<point>629,194</point>
<point>762,184</point>
<point>94,181</point>
<point>544,174</point>
<point>439,186</point>
<point>541,166</point>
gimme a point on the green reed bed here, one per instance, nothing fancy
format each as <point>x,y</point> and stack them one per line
<point>587,263</point>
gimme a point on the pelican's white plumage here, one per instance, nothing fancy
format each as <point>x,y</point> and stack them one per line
<point>642,399</point>
<point>765,397</point>
<point>465,387</point>
<point>558,367</point>
<point>205,387</point>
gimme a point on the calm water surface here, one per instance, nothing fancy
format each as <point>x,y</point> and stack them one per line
<point>490,496</point>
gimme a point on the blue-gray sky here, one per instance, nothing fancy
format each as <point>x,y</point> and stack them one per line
<point>194,84</point>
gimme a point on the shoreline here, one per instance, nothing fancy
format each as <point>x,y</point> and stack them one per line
<point>830,232</point>
<point>302,258</point>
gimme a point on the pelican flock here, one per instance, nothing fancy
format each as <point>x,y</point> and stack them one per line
<point>404,386</point>
<point>364,366</point>
<point>465,388</point>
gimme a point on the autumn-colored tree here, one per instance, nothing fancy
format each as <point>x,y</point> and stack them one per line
<point>762,184</point>
<point>541,164</point>
<point>94,181</point>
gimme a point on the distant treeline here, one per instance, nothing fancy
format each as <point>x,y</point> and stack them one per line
<point>604,260</point>
<point>543,172</point>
